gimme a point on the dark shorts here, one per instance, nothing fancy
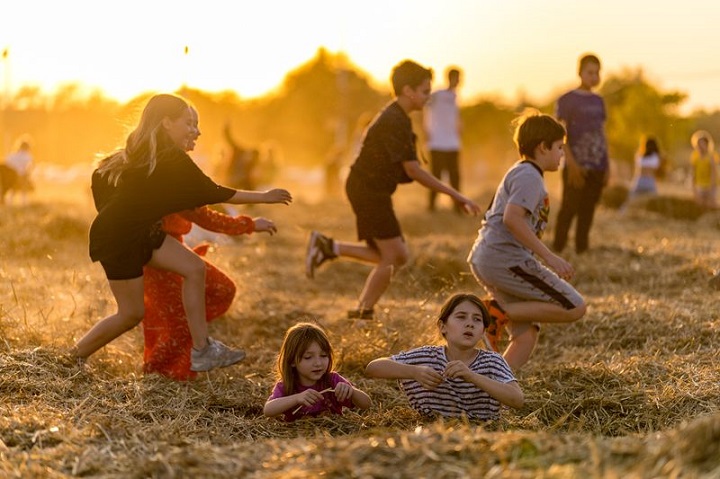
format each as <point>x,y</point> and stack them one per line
<point>129,264</point>
<point>374,214</point>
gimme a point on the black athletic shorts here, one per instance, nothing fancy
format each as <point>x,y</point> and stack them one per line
<point>374,214</point>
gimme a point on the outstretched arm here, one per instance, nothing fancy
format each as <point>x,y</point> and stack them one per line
<point>277,195</point>
<point>218,222</point>
<point>425,178</point>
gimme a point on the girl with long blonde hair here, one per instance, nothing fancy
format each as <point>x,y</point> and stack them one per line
<point>133,189</point>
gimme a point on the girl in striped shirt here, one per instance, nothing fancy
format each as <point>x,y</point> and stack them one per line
<point>456,379</point>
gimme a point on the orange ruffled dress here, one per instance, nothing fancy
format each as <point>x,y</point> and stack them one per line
<point>167,337</point>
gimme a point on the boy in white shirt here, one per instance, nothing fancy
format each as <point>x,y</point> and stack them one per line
<point>443,127</point>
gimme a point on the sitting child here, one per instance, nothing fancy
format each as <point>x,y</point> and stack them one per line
<point>307,384</point>
<point>457,379</point>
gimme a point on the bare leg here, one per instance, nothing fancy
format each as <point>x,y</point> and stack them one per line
<point>176,257</point>
<point>393,254</point>
<point>129,297</point>
<point>520,348</point>
<point>358,251</point>
<point>523,343</point>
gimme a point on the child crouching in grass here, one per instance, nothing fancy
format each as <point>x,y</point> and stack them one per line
<point>528,282</point>
<point>307,384</point>
<point>456,379</point>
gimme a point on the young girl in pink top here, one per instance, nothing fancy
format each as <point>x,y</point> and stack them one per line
<point>307,384</point>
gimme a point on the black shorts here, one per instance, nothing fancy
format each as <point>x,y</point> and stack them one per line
<point>374,214</point>
<point>129,264</point>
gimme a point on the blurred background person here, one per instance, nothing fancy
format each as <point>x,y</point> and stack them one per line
<point>648,167</point>
<point>443,128</point>
<point>21,162</point>
<point>587,166</point>
<point>241,163</point>
<point>704,162</point>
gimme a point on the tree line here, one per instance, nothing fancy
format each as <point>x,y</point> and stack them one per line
<point>322,106</point>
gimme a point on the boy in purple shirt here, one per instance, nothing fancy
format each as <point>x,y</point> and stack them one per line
<point>586,156</point>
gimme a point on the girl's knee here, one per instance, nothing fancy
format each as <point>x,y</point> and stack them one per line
<point>194,269</point>
<point>523,333</point>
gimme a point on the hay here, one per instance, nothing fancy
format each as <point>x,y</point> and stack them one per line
<point>629,391</point>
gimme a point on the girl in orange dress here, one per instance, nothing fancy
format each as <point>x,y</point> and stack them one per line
<point>167,337</point>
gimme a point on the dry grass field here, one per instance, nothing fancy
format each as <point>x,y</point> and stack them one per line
<point>630,391</point>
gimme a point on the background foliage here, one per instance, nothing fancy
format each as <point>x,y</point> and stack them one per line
<point>322,107</point>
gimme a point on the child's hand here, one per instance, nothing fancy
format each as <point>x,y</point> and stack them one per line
<point>264,225</point>
<point>468,205</point>
<point>343,391</point>
<point>428,377</point>
<point>457,369</point>
<point>278,195</point>
<point>472,208</point>
<point>309,397</point>
<point>561,267</point>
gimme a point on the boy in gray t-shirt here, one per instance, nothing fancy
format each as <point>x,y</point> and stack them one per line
<point>528,282</point>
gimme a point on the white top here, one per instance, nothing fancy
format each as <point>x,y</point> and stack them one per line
<point>19,161</point>
<point>651,161</point>
<point>442,121</point>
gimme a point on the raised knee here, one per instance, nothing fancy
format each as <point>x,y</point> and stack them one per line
<point>578,312</point>
<point>195,269</point>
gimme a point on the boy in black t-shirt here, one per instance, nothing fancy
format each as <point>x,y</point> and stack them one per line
<point>387,158</point>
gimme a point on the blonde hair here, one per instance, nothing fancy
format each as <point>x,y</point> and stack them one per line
<point>297,340</point>
<point>144,142</point>
<point>700,135</point>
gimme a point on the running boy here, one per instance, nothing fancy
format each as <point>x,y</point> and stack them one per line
<point>388,157</point>
<point>507,254</point>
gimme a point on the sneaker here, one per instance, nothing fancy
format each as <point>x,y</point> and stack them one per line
<point>319,250</point>
<point>367,314</point>
<point>215,355</point>
<point>496,326</point>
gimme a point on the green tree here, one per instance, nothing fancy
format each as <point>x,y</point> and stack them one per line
<point>636,108</point>
<point>317,107</point>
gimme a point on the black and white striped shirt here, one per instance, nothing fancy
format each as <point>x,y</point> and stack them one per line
<point>454,397</point>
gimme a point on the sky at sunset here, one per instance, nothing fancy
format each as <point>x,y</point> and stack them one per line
<point>506,48</point>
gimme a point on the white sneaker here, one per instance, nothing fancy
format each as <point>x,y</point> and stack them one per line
<point>215,355</point>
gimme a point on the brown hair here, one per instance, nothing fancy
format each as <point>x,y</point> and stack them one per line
<point>297,340</point>
<point>587,58</point>
<point>409,73</point>
<point>533,129</point>
<point>455,300</point>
